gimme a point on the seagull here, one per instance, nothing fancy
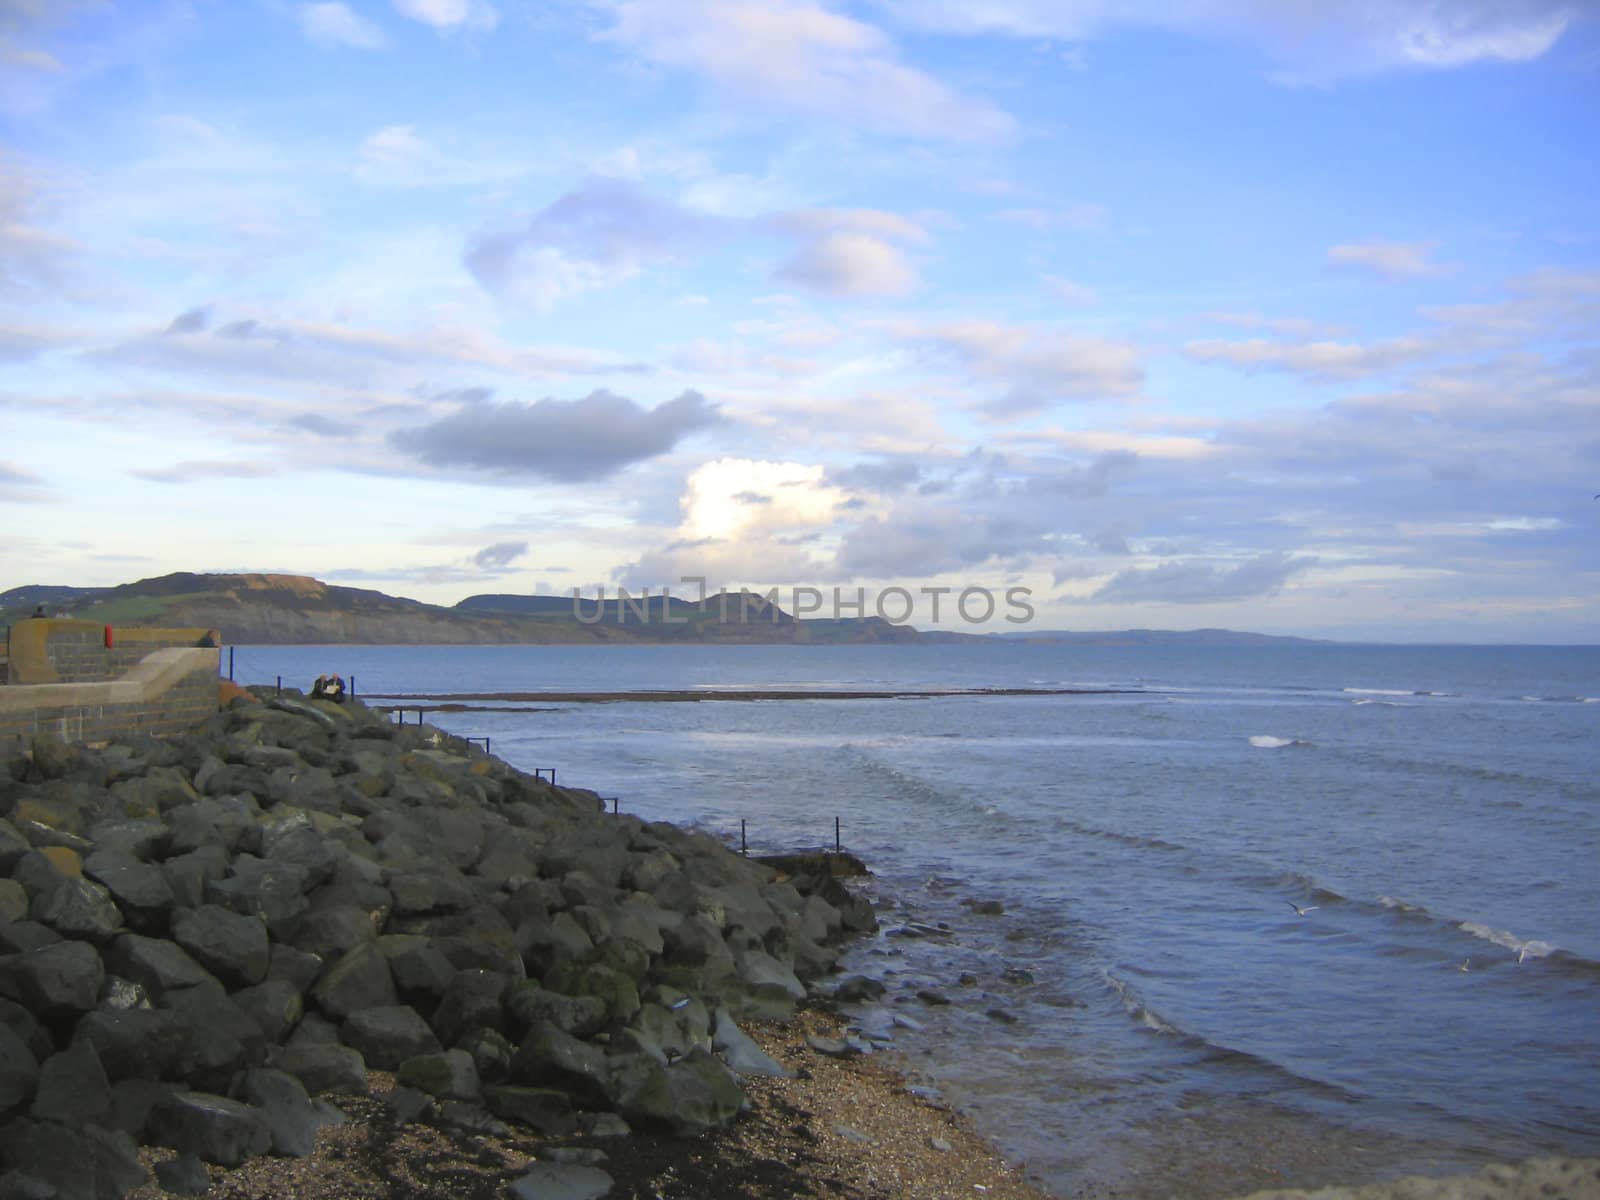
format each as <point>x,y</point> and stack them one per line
<point>1466,965</point>
<point>1300,912</point>
<point>1522,953</point>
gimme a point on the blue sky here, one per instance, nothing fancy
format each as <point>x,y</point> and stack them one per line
<point>1268,315</point>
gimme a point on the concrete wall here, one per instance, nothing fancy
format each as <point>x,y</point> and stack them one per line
<point>170,691</point>
<point>58,650</point>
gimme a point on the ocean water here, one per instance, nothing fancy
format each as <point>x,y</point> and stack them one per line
<point>1150,1015</point>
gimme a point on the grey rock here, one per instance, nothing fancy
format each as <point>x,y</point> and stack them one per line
<point>740,1051</point>
<point>332,932</point>
<point>387,1035</point>
<point>472,999</point>
<point>447,1075</point>
<point>273,891</point>
<point>291,1116</point>
<point>407,1104</point>
<point>73,1087</point>
<point>547,1110</point>
<point>138,1043</point>
<point>231,945</point>
<point>275,1005</point>
<point>359,979</point>
<point>694,1094</point>
<point>185,1175</point>
<point>552,1058</point>
<point>418,965</point>
<point>142,839</point>
<point>212,1128</point>
<point>57,980</point>
<point>19,1072</point>
<point>81,1162</point>
<point>78,908</point>
<point>561,1181</point>
<point>581,1016</point>
<point>324,1067</point>
<point>13,901</point>
<point>140,889</point>
<point>829,1047</point>
<point>155,964</point>
<point>294,967</point>
<point>134,1100</point>
<point>188,874</point>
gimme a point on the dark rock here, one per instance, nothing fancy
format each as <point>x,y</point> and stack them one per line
<point>25,1026</point>
<point>545,1109</point>
<point>551,1057</point>
<point>388,1035</point>
<point>81,1162</point>
<point>188,874</point>
<point>407,1104</point>
<point>19,1072</point>
<point>545,942</point>
<point>139,1043</point>
<point>211,1127</point>
<point>359,979</point>
<point>143,840</point>
<point>324,1067</point>
<point>273,891</point>
<point>491,1053</point>
<point>582,1016</point>
<point>447,1075</point>
<point>232,946</point>
<point>140,889</point>
<point>740,1052</point>
<point>78,908</point>
<point>472,1000</point>
<point>424,892</point>
<point>185,1175</point>
<point>134,1100</point>
<point>418,965</point>
<point>291,1116</point>
<point>294,967</point>
<point>332,932</point>
<point>275,1005</point>
<point>21,936</point>
<point>473,1120</point>
<point>58,980</point>
<point>858,989</point>
<point>219,1037</point>
<point>693,1095</point>
<point>155,964</point>
<point>13,901</point>
<point>73,1087</point>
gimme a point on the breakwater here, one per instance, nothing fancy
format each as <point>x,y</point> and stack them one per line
<point>201,935</point>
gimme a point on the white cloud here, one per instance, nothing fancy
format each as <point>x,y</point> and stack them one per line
<point>331,25</point>
<point>1075,218</point>
<point>801,57</point>
<point>1312,42</point>
<point>450,15</point>
<point>1321,360</point>
<point>851,252</point>
<point>1391,259</point>
<point>1031,367</point>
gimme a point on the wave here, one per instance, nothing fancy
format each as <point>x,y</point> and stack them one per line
<point>1214,1051</point>
<point>1380,703</point>
<point>1266,741</point>
<point>1523,948</point>
<point>1382,692</point>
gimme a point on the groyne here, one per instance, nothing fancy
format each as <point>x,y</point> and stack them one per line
<point>204,936</point>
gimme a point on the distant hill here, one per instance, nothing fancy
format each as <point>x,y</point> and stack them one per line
<point>298,610</point>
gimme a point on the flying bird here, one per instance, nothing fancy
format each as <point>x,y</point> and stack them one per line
<point>1300,912</point>
<point>1466,965</point>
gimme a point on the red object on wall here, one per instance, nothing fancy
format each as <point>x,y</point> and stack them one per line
<point>111,638</point>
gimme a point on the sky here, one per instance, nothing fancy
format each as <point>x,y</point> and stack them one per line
<point>1276,315</point>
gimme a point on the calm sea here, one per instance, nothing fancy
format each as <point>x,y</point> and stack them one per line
<point>1149,1015</point>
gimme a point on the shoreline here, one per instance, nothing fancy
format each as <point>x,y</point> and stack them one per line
<point>451,701</point>
<point>847,1127</point>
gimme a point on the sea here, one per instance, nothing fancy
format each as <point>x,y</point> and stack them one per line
<point>1203,920</point>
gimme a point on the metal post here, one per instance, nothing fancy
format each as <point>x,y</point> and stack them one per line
<point>279,692</point>
<point>615,800</point>
<point>744,846</point>
<point>230,663</point>
<point>352,687</point>
<point>838,846</point>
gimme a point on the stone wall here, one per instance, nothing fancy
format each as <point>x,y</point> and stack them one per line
<point>170,691</point>
<point>58,650</point>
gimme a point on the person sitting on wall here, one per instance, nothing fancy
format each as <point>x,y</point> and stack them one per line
<point>328,687</point>
<point>39,612</point>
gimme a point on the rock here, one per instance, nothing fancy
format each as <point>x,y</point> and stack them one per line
<point>545,1109</point>
<point>273,891</point>
<point>233,947</point>
<point>694,1094</point>
<point>137,1043</point>
<point>551,1057</point>
<point>155,964</point>
<point>294,967</point>
<point>275,1005</point>
<point>387,1035</point>
<point>581,1016</point>
<point>140,889</point>
<point>324,1067</point>
<point>423,892</point>
<point>73,1087</point>
<point>332,932</point>
<point>448,1075</point>
<point>359,979</point>
<point>408,1104</point>
<point>78,908</point>
<point>939,1144</point>
<point>740,1051</point>
<point>80,1162</point>
<point>13,901</point>
<point>210,1127</point>
<point>134,1100</point>
<point>218,1037</point>
<point>931,997</point>
<point>185,1175</point>
<point>858,989</point>
<point>291,1116</point>
<point>417,964</point>
<point>830,1047</point>
<point>561,1181</point>
<point>472,1000</point>
<point>984,908</point>
<point>58,980</point>
<point>19,1072</point>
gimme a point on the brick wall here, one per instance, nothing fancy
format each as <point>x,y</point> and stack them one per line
<point>169,691</point>
<point>58,650</point>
